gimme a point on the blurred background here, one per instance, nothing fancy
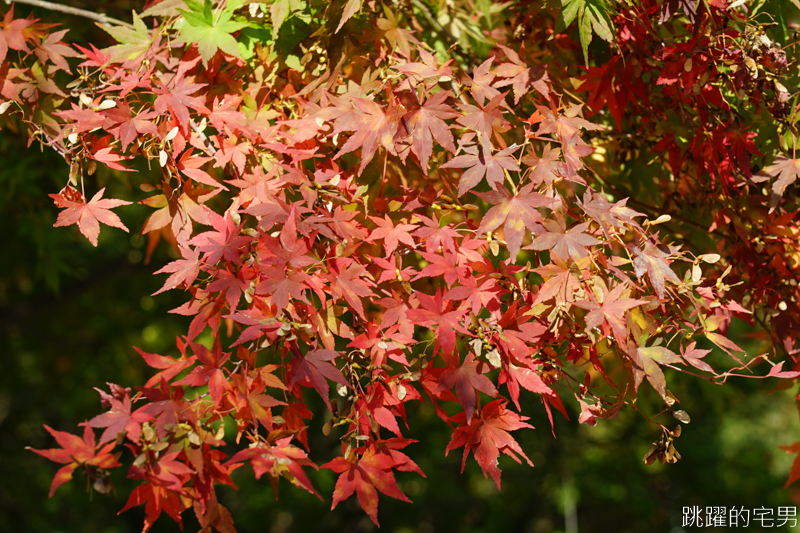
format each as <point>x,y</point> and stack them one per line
<point>70,315</point>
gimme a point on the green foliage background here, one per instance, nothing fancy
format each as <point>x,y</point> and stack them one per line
<point>70,314</point>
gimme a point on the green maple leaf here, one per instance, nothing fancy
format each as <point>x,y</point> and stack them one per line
<point>593,18</point>
<point>211,31</point>
<point>133,42</point>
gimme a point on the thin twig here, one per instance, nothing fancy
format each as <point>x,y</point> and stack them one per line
<point>102,18</point>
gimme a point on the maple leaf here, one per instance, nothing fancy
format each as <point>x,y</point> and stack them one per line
<point>372,128</point>
<point>434,312</point>
<point>184,271</point>
<point>88,215</point>
<point>487,435</point>
<point>12,34</point>
<point>279,11</point>
<point>476,297</point>
<point>485,120</point>
<point>515,212</point>
<point>563,124</point>
<point>645,363</point>
<point>435,236</point>
<point>446,265</point>
<point>562,242</point>
<point>351,8</point>
<point>346,283</point>
<point>391,234</point>
<point>169,367</point>
<point>794,473</point>
<point>561,280</point>
<point>612,311</point>
<point>397,36</point>
<point>127,126</point>
<point>574,149</point>
<point>786,170</point>
<point>283,286</point>
<point>694,356</point>
<point>155,499</point>
<point>315,367</point>
<point>279,460</point>
<point>366,475</point>
<point>209,372</point>
<point>466,380</point>
<point>606,214</point>
<point>211,29</point>
<point>391,269</point>
<point>134,41</point>
<point>429,72</point>
<point>652,260</point>
<point>670,7</point>
<point>482,162</point>
<point>56,51</point>
<point>119,419</point>
<point>544,169</point>
<point>481,82</point>
<point>75,452</point>
<point>519,75</point>
<point>424,123</point>
<point>179,99</point>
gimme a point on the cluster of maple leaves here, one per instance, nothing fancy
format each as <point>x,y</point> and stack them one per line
<point>395,225</point>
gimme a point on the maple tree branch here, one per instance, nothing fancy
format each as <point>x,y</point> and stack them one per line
<point>101,18</point>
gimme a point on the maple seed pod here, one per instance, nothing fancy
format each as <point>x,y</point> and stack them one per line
<point>106,104</point>
<point>74,169</point>
<point>172,134</point>
<point>92,168</point>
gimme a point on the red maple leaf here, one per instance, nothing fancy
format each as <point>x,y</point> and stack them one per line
<point>646,362</point>
<point>88,215</point>
<point>370,473</point>
<point>56,51</point>
<point>424,123</point>
<point>75,452</point>
<point>156,499</point>
<point>785,169</point>
<point>434,312</point>
<point>466,379</point>
<point>12,34</point>
<point>184,271</point>
<point>564,243</point>
<point>314,368</point>
<point>518,75</point>
<point>515,212</point>
<point>652,259</point>
<point>391,234</point>
<point>487,435</point>
<point>119,419</point>
<point>694,356</point>
<point>279,460</point>
<point>127,126</point>
<point>346,283</point>
<point>481,162</point>
<point>612,311</point>
<point>178,99</point>
<point>481,82</point>
<point>485,120</point>
<point>371,128</point>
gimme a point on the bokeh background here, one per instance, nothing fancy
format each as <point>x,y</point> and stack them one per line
<point>70,314</point>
